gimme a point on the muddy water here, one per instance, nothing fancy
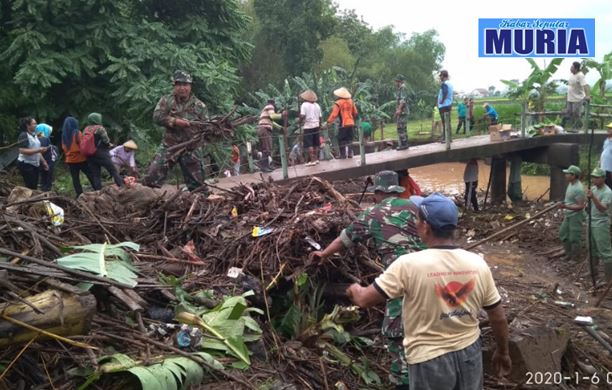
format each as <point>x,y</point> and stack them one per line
<point>448,177</point>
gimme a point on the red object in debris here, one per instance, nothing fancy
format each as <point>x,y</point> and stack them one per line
<point>190,250</point>
<point>410,187</point>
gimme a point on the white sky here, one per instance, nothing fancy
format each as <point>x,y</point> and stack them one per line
<point>457,25</point>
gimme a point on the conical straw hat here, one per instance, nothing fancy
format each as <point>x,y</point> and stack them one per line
<point>342,93</point>
<point>309,96</point>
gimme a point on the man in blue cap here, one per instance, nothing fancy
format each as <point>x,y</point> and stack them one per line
<point>443,289</point>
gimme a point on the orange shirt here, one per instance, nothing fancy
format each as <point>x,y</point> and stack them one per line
<point>345,108</point>
<point>410,187</point>
<point>73,154</point>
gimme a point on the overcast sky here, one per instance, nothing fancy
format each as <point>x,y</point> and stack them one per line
<point>457,26</point>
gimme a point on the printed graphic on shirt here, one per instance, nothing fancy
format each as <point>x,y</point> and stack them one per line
<point>455,293</point>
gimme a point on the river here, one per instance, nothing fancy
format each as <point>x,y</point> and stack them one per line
<point>448,178</point>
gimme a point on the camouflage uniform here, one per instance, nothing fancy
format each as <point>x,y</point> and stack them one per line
<point>401,96</point>
<point>391,224</point>
<point>167,110</point>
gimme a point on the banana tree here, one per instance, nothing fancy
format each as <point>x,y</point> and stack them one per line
<point>604,69</point>
<point>539,80</point>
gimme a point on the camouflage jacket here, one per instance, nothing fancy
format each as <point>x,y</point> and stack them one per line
<point>391,225</point>
<point>401,96</point>
<point>168,109</point>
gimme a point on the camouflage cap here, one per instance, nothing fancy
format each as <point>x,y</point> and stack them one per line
<point>400,77</point>
<point>573,170</point>
<point>598,172</point>
<point>181,76</point>
<point>386,181</point>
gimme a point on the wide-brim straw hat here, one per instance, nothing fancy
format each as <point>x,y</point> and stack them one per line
<point>309,96</point>
<point>342,93</point>
<point>130,144</point>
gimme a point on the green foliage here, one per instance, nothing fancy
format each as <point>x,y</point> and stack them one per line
<point>604,69</point>
<point>117,57</point>
<point>111,261</point>
<point>172,373</point>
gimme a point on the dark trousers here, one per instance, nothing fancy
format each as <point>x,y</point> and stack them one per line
<point>46,178</point>
<point>461,122</point>
<point>345,138</point>
<point>75,170</point>
<point>446,127</point>
<point>30,174</point>
<point>609,179</point>
<point>470,194</point>
<point>101,159</point>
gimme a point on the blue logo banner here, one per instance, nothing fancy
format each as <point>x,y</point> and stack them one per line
<point>536,37</point>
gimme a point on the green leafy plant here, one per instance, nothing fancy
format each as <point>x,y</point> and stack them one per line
<point>111,261</point>
<point>172,373</point>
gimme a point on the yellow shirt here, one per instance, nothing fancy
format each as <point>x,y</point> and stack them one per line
<point>443,290</point>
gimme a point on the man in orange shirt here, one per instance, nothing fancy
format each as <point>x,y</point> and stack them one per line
<point>346,110</point>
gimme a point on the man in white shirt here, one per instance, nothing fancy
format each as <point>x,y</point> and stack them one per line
<point>443,289</point>
<point>578,92</point>
<point>310,118</point>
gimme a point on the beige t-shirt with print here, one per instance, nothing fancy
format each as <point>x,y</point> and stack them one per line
<point>443,290</point>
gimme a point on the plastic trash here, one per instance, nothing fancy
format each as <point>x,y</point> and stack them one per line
<point>313,243</point>
<point>564,304</point>
<point>234,212</point>
<point>261,231</point>
<point>234,272</point>
<point>183,337</point>
<point>55,212</point>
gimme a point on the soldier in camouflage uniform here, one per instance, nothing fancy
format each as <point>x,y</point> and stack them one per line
<point>175,112</point>
<point>401,111</point>
<point>391,224</point>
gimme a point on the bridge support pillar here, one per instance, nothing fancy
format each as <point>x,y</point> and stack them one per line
<point>498,180</point>
<point>515,191</point>
<point>560,156</point>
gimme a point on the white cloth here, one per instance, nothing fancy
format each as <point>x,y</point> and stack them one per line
<point>32,159</point>
<point>312,115</point>
<point>606,156</point>
<point>575,91</point>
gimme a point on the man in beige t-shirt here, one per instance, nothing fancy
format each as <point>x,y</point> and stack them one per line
<point>443,289</point>
<point>577,92</point>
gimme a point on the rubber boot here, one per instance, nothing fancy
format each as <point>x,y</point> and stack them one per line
<point>403,140</point>
<point>608,271</point>
<point>342,151</point>
<point>264,163</point>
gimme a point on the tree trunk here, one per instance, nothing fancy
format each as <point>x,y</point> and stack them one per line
<point>64,315</point>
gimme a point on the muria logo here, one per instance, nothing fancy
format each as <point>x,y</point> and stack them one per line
<point>536,37</point>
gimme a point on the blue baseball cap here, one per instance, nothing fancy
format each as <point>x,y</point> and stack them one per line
<point>440,212</point>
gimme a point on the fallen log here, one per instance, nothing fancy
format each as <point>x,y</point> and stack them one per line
<point>63,315</point>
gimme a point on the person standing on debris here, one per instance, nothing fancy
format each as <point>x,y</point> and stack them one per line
<point>445,103</point>
<point>176,112</point>
<point>462,112</point>
<point>605,161</point>
<point>470,178</point>
<point>578,92</point>
<point>123,157</point>
<point>43,132</point>
<point>490,114</point>
<point>101,158</point>
<point>570,232</point>
<point>76,162</point>
<point>401,111</point>
<point>310,119</point>
<point>30,159</point>
<point>444,288</point>
<point>267,119</point>
<point>601,195</point>
<point>345,109</point>
<point>391,225</point>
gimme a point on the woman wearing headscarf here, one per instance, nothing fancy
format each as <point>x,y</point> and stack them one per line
<point>101,158</point>
<point>30,159</point>
<point>76,162</point>
<point>43,132</point>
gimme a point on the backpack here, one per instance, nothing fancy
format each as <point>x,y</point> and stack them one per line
<point>88,146</point>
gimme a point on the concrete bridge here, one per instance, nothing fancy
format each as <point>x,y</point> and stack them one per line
<point>558,151</point>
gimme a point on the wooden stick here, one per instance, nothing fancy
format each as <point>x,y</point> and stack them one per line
<point>25,347</point>
<point>126,300</point>
<point>504,231</point>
